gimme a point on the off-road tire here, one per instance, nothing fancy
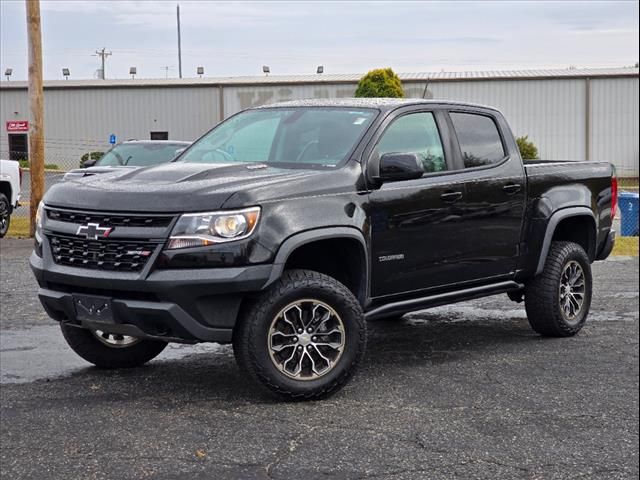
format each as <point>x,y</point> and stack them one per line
<point>251,344</point>
<point>86,345</point>
<point>5,215</point>
<point>542,293</point>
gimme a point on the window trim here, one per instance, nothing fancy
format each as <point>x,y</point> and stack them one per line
<point>443,133</point>
<point>454,132</point>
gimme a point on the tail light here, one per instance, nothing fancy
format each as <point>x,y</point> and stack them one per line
<point>20,176</point>
<point>614,195</point>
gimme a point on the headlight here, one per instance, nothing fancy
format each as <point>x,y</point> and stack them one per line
<point>39,214</point>
<point>201,229</point>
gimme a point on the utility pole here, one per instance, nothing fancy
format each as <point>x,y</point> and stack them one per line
<point>166,69</point>
<point>179,43</point>
<point>103,54</point>
<point>36,106</point>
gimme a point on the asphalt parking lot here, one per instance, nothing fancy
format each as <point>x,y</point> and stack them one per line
<point>463,391</point>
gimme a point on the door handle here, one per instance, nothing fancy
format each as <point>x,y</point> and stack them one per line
<point>511,188</point>
<point>451,197</point>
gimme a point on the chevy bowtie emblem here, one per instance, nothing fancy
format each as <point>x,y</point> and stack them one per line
<point>93,231</point>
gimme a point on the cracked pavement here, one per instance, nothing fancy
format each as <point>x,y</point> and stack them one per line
<point>462,391</point>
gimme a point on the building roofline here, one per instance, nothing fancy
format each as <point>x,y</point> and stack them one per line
<point>333,79</point>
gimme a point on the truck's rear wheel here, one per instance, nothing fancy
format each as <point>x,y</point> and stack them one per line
<point>303,338</point>
<point>558,300</point>
<point>108,350</point>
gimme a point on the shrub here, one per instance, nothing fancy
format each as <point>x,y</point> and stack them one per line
<point>93,155</point>
<point>528,150</point>
<point>24,163</point>
<point>382,82</point>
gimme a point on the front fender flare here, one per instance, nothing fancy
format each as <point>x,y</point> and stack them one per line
<point>299,239</point>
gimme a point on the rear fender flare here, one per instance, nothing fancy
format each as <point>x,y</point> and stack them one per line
<point>554,221</point>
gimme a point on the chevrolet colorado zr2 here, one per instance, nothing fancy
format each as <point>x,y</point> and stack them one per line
<point>286,227</point>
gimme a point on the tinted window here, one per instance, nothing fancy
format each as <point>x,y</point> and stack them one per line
<point>415,133</point>
<point>479,139</point>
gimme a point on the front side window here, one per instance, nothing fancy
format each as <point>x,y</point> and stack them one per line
<point>479,139</point>
<point>415,133</point>
<point>295,137</point>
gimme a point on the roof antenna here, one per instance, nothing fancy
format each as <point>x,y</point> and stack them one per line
<point>426,85</point>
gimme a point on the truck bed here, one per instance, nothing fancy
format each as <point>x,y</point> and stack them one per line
<point>545,174</point>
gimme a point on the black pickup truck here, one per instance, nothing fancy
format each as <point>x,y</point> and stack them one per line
<point>284,228</point>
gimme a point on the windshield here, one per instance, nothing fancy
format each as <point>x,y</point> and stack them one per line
<point>289,137</point>
<point>139,154</point>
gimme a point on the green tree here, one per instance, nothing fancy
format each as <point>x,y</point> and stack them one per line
<point>382,82</point>
<point>528,150</point>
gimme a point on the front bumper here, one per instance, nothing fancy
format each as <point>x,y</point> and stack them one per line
<point>185,305</point>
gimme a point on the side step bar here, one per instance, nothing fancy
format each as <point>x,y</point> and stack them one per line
<point>406,306</point>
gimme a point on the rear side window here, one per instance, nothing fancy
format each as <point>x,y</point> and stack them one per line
<point>479,139</point>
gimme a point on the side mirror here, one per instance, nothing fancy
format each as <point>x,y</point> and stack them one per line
<point>89,163</point>
<point>400,166</point>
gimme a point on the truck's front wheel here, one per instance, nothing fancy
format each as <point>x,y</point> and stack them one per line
<point>5,215</point>
<point>558,300</point>
<point>303,338</point>
<point>108,350</point>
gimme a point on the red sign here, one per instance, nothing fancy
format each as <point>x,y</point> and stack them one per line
<point>17,126</point>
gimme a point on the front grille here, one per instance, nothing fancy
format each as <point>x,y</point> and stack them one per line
<point>109,220</point>
<point>123,255</point>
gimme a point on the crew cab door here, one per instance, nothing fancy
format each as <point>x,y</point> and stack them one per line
<point>496,192</point>
<point>418,237</point>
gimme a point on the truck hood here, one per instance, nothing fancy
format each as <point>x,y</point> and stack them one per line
<point>177,187</point>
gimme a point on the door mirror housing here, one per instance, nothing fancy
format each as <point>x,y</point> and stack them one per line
<point>89,163</point>
<point>400,166</point>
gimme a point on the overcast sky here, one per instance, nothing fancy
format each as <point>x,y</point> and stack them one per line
<point>235,38</point>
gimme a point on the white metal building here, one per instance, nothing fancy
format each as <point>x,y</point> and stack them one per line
<point>572,114</point>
